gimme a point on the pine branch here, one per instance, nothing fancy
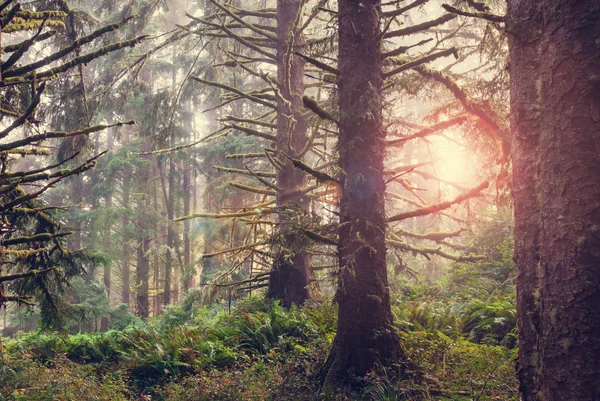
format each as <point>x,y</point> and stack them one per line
<point>246,24</point>
<point>234,90</point>
<point>253,287</point>
<point>18,299</point>
<point>29,152</point>
<point>402,10</point>
<point>426,175</point>
<point>428,131</point>
<point>5,4</point>
<point>409,167</point>
<point>472,107</point>
<point>256,212</point>
<point>18,46</point>
<point>16,56</point>
<point>237,249</point>
<point>253,189</point>
<point>248,121</point>
<point>7,17</point>
<point>260,13</point>
<point>27,197</point>
<point>320,176</point>
<point>440,206</point>
<point>313,106</point>
<point>263,181</point>
<point>235,36</point>
<point>73,63</point>
<point>258,278</point>
<point>253,132</point>
<point>403,49</point>
<point>412,30</point>
<point>319,238</point>
<point>15,72</point>
<point>244,172</point>
<point>245,155</point>
<point>426,251</point>
<point>483,15</point>
<point>50,135</point>
<point>32,273</point>
<point>5,176</point>
<point>28,113</point>
<point>432,236</point>
<point>319,64</point>
<point>422,60</point>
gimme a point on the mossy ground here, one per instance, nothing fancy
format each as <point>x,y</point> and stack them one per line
<point>256,352</point>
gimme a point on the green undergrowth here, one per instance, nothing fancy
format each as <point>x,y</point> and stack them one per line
<point>256,351</point>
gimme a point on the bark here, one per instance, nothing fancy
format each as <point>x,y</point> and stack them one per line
<point>555,70</point>
<point>142,274</point>
<point>77,196</point>
<point>106,274</point>
<point>170,230</point>
<point>170,209</point>
<point>365,339</point>
<point>187,247</point>
<point>157,301</point>
<point>143,239</point>
<point>125,270</point>
<point>290,280</point>
<point>125,273</point>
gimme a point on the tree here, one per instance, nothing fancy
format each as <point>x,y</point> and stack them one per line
<point>365,338</point>
<point>291,276</point>
<point>290,279</point>
<point>34,261</point>
<point>555,117</point>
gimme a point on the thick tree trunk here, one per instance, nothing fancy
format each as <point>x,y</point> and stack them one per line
<point>365,339</point>
<point>290,280</point>
<point>555,70</point>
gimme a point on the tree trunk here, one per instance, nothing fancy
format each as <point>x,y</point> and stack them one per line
<point>365,339</point>
<point>187,246</point>
<point>107,240</point>
<point>157,302</point>
<point>142,273</point>
<point>290,280</point>
<point>125,269</point>
<point>170,229</point>
<point>143,238</point>
<point>555,70</point>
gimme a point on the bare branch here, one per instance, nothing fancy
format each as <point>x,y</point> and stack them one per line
<point>486,16</point>
<point>440,206</point>
<point>411,30</point>
<point>31,273</point>
<point>422,60</point>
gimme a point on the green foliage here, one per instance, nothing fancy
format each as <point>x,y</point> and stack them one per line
<point>461,370</point>
<point>474,301</point>
<point>491,322</point>
<point>27,379</point>
<point>259,351</point>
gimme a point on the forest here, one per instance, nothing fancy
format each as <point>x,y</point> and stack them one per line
<point>301,200</point>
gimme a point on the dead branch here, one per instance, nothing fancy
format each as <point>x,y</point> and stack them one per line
<point>440,206</point>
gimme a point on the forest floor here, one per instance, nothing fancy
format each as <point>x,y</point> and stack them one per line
<point>255,351</point>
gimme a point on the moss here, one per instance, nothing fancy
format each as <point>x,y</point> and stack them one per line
<point>25,25</point>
